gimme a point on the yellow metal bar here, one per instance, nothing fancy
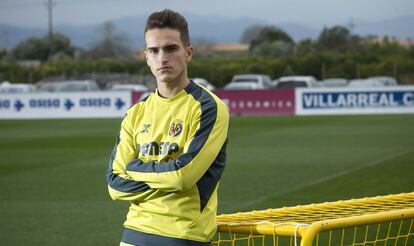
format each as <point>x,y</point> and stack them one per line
<point>270,229</point>
<point>409,230</point>
<point>317,227</point>
<point>306,221</point>
<point>323,211</point>
<point>399,231</point>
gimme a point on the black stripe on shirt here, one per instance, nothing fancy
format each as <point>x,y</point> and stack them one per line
<point>118,183</point>
<point>145,239</point>
<point>208,182</point>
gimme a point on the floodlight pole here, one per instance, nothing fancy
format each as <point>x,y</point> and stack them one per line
<point>49,6</point>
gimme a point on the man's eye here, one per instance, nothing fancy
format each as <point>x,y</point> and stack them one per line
<point>171,48</point>
<point>153,51</point>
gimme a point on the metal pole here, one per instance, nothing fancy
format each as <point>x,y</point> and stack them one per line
<point>49,10</point>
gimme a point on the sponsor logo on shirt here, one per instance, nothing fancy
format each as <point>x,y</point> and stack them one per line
<point>176,127</point>
<point>154,148</point>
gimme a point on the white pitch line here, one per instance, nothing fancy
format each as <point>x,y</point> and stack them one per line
<point>321,180</point>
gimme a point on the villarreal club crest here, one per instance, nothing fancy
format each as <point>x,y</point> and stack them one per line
<point>176,127</point>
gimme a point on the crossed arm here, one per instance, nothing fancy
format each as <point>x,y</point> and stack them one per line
<point>129,178</point>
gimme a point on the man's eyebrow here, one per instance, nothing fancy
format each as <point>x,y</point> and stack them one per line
<point>170,45</point>
<point>163,47</point>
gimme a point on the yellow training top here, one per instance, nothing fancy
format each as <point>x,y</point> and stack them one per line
<point>167,162</point>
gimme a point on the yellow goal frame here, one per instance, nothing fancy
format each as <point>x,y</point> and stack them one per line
<point>391,215</point>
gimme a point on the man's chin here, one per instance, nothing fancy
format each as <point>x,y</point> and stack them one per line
<point>167,79</point>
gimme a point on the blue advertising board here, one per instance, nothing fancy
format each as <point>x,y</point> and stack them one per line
<point>384,100</point>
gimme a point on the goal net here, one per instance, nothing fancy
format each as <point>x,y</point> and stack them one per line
<point>381,220</point>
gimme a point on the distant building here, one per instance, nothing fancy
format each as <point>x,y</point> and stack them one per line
<point>408,42</point>
<point>139,54</point>
<point>29,63</point>
<point>223,48</point>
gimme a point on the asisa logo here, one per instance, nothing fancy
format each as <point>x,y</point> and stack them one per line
<point>176,127</point>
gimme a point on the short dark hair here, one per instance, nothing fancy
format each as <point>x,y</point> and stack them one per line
<point>168,18</point>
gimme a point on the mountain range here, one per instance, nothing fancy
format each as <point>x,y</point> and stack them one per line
<point>204,29</point>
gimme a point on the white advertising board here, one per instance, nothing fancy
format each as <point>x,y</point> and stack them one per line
<point>64,105</point>
<point>334,101</point>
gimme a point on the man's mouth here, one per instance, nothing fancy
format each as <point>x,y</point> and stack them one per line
<point>164,68</point>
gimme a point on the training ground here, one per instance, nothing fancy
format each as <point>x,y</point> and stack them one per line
<point>53,189</point>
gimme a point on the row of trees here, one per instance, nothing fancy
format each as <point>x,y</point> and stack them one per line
<point>335,53</point>
<point>111,43</point>
<point>263,41</point>
<point>272,41</point>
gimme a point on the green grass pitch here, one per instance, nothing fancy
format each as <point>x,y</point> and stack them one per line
<point>52,172</point>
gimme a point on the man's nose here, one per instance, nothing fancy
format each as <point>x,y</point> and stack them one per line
<point>162,57</point>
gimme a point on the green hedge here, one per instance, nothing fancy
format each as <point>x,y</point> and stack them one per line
<point>220,69</point>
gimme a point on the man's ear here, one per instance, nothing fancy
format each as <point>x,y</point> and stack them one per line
<point>189,53</point>
<point>146,57</point>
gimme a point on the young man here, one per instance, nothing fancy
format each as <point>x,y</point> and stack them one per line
<point>171,150</point>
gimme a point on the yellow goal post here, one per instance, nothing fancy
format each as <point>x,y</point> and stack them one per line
<point>380,220</point>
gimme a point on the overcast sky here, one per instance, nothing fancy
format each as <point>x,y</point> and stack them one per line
<point>316,13</point>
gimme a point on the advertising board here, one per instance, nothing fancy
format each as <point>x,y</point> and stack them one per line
<point>259,102</point>
<point>64,105</point>
<point>383,100</point>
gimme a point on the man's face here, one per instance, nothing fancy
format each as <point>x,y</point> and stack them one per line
<point>166,55</point>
